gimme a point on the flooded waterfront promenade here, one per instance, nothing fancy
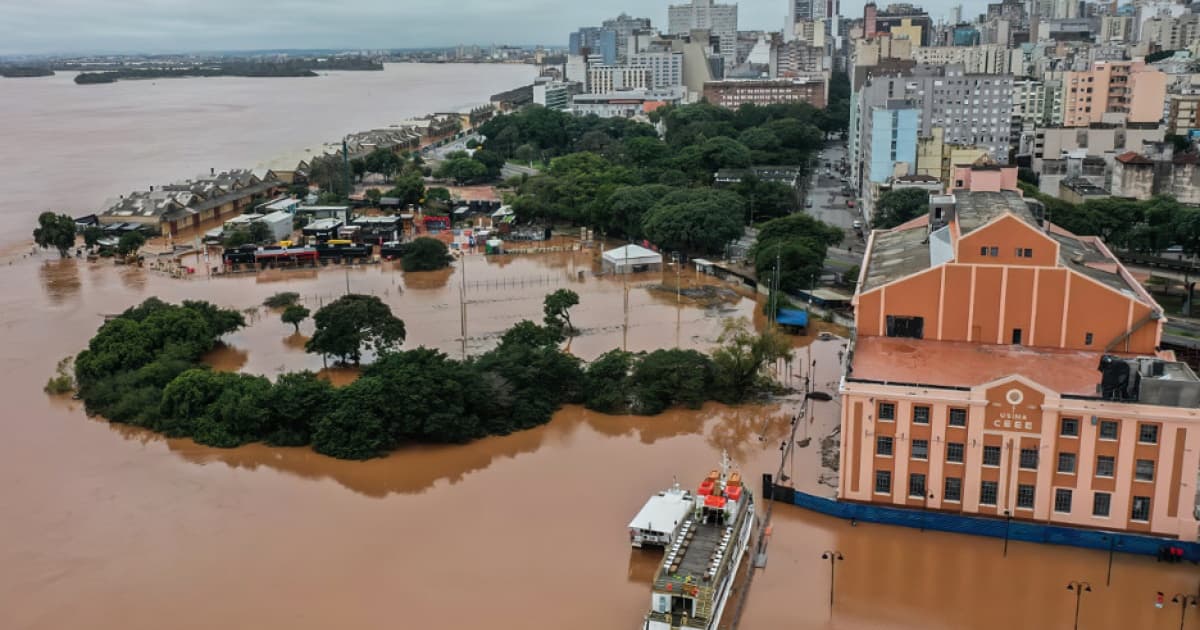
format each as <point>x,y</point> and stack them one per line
<point>110,527</point>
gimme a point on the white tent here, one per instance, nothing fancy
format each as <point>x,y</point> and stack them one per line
<point>631,259</point>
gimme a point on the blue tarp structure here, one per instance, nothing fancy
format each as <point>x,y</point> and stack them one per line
<point>789,317</point>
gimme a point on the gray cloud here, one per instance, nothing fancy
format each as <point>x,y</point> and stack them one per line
<point>52,26</point>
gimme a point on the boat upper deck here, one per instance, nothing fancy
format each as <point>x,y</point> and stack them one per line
<point>700,555</point>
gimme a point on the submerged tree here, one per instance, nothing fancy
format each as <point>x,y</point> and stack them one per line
<point>352,323</point>
<point>557,308</point>
<point>739,360</point>
<point>55,230</point>
<point>294,314</point>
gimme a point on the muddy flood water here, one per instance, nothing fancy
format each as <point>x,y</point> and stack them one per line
<point>108,527</point>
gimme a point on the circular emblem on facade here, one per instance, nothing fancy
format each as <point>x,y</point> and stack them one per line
<point>1014,396</point>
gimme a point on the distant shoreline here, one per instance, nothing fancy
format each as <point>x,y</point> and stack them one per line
<point>285,69</point>
<point>19,72</point>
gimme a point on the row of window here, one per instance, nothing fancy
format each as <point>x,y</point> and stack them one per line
<point>1068,427</point>
<point>1026,494</point>
<point>1105,464</point>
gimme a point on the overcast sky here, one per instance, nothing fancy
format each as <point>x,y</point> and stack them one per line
<point>65,26</point>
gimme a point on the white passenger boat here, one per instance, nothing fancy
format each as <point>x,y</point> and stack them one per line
<point>705,536</point>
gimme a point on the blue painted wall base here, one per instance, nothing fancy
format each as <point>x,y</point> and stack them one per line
<point>994,527</point>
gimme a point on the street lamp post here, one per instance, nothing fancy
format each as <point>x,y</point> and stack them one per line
<point>1184,602</point>
<point>1113,543</point>
<point>1079,587</point>
<point>1007,525</point>
<point>833,556</point>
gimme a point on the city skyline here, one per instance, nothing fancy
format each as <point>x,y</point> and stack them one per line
<point>173,26</point>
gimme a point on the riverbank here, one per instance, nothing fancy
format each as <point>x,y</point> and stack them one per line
<point>200,124</point>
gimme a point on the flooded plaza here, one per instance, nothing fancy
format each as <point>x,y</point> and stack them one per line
<point>106,526</point>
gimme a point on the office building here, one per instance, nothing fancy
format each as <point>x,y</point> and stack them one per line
<point>665,66</point>
<point>624,27</point>
<point>1004,368</point>
<point>733,93</point>
<point>607,79</point>
<point>719,19</point>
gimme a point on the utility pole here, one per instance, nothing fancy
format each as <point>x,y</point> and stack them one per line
<point>462,302</point>
<point>346,169</point>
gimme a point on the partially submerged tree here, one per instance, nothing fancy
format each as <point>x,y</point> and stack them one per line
<point>280,300</point>
<point>742,356</point>
<point>294,314</point>
<point>353,323</point>
<point>425,254</point>
<point>557,307</point>
<point>55,230</point>
<point>130,243</point>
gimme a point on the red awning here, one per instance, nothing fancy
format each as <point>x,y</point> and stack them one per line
<point>706,487</point>
<point>733,492</point>
<point>714,502</point>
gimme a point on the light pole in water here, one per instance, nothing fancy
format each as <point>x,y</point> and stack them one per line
<point>1007,525</point>
<point>1080,588</point>
<point>1113,543</point>
<point>1184,602</point>
<point>833,556</point>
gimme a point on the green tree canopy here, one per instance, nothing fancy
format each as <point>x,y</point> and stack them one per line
<point>900,206</point>
<point>426,254</point>
<point>695,220</point>
<point>463,170</point>
<point>557,309</point>
<point>665,378</point>
<point>294,314</point>
<point>409,188</point>
<point>742,356</point>
<point>608,386</point>
<point>55,230</point>
<point>130,243</point>
<point>352,323</point>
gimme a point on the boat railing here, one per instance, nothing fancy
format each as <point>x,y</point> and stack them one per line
<point>676,621</point>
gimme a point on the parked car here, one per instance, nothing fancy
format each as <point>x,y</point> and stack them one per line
<point>849,203</point>
<point>858,224</point>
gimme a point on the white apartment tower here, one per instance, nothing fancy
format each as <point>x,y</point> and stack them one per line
<point>719,19</point>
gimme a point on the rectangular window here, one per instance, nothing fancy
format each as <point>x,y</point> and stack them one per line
<point>1028,253</point>
<point>916,485</point>
<point>987,492</point>
<point>1105,466</point>
<point>1025,496</point>
<point>920,414</point>
<point>911,327</point>
<point>1062,500</point>
<point>887,411</point>
<point>1066,463</point>
<point>1101,502</point>
<point>982,250</point>
<point>954,452</point>
<point>1069,427</point>
<point>920,449</point>
<point>883,481</point>
<point>1148,433</point>
<point>1108,429</point>
<point>958,417</point>
<point>1087,339</point>
<point>993,252</point>
<point>1029,458</point>
<point>991,456</point>
<point>883,445</point>
<point>953,489</point>
<point>1144,471</point>
<point>1016,336</point>
<point>1141,509</point>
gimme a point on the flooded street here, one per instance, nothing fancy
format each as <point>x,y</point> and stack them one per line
<point>111,527</point>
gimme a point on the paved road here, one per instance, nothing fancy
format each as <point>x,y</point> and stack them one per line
<point>826,201</point>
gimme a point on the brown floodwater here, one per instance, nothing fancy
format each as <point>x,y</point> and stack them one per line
<point>107,526</point>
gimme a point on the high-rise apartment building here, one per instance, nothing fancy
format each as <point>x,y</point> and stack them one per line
<point>1128,90</point>
<point>890,138</point>
<point>665,66</point>
<point>624,27</point>
<point>719,19</point>
<point>984,59</point>
<point>605,79</point>
<point>596,41</point>
<point>972,109</point>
